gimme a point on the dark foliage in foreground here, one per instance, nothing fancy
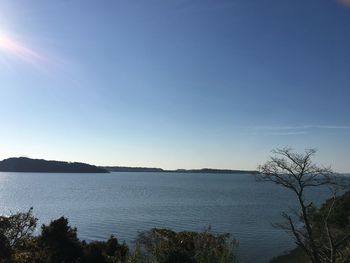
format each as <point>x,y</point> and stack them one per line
<point>338,225</point>
<point>58,243</point>
<point>165,245</point>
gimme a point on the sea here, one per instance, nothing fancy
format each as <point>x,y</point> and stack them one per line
<point>127,203</point>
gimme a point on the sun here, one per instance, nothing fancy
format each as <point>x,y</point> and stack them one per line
<point>16,48</point>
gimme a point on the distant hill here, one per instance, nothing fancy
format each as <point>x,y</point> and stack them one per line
<point>23,164</point>
<point>213,171</point>
<point>160,170</point>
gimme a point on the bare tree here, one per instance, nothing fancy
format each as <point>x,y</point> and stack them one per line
<point>297,172</point>
<point>17,228</point>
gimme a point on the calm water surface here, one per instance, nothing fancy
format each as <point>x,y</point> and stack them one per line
<point>124,204</point>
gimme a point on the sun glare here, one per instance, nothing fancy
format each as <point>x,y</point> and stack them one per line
<point>13,47</point>
<point>2,39</point>
<point>345,2</point>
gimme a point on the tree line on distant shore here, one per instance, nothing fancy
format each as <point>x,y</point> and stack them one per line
<point>24,164</point>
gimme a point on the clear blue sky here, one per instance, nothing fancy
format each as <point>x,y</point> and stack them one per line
<point>174,84</point>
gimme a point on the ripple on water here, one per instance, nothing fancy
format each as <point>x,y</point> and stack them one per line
<point>125,204</point>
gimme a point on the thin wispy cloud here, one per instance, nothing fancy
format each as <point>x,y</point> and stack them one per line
<point>286,133</point>
<point>297,130</point>
<point>305,127</point>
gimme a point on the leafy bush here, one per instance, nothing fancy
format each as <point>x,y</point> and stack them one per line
<point>59,243</point>
<point>165,245</point>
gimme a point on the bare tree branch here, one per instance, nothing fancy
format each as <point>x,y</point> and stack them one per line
<point>297,172</point>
